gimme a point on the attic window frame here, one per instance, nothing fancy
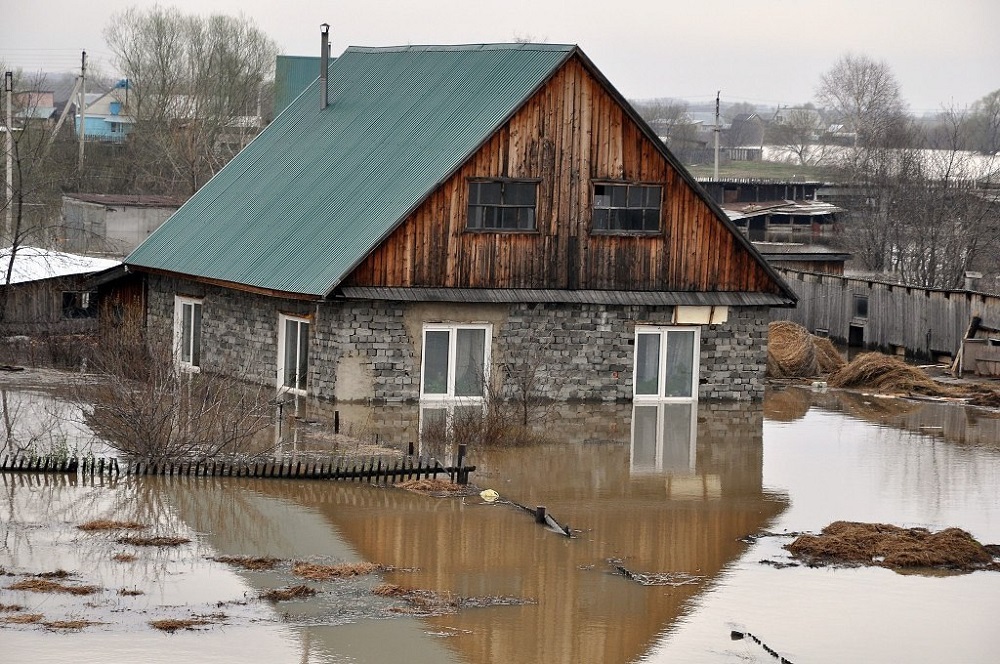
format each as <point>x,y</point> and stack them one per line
<point>503,207</point>
<point>609,230</point>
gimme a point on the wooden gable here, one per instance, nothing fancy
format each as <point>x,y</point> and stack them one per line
<point>573,131</point>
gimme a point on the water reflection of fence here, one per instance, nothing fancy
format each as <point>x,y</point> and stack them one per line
<point>375,470</point>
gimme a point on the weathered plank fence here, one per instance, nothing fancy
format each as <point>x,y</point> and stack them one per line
<point>376,470</point>
<point>922,322</point>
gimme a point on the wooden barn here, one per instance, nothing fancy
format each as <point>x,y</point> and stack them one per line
<point>445,223</point>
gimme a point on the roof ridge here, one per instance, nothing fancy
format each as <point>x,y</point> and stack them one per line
<point>491,46</point>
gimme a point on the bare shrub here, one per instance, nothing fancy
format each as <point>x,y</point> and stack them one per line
<point>147,407</point>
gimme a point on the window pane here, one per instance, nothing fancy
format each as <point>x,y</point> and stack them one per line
<point>475,217</point>
<point>470,354</point>
<point>490,193</point>
<point>196,335</point>
<point>647,364</point>
<point>520,193</point>
<point>302,366</point>
<point>680,363</point>
<point>644,437</point>
<point>654,196</point>
<point>633,219</point>
<point>186,316</point>
<point>636,197</point>
<point>436,362</point>
<point>618,194</point>
<point>677,436</point>
<point>600,219</point>
<point>290,350</point>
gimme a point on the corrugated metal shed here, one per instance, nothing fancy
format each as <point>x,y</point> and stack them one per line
<point>300,206</point>
<point>292,75</point>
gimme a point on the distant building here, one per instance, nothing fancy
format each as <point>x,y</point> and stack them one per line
<point>111,224</point>
<point>106,118</point>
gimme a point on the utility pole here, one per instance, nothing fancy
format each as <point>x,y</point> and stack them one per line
<point>8,88</point>
<point>715,171</point>
<point>83,110</point>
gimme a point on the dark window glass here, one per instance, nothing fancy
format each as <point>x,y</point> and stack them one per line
<point>502,205</point>
<point>626,208</point>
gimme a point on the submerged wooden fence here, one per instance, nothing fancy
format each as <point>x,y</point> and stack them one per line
<point>376,470</point>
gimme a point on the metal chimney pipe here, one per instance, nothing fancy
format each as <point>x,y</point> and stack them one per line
<point>324,64</point>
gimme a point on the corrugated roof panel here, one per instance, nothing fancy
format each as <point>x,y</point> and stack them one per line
<point>317,190</point>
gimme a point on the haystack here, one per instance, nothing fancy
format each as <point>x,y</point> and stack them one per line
<point>792,352</point>
<point>886,374</point>
<point>853,543</point>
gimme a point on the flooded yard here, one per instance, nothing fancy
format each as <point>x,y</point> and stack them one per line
<point>679,516</point>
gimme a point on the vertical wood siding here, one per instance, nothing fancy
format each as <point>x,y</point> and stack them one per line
<point>567,135</point>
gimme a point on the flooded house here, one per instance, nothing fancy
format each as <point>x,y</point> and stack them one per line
<point>425,223</point>
<point>46,291</point>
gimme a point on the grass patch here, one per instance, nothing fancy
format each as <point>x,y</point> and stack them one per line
<point>10,608</point>
<point>174,624</point>
<point>248,562</point>
<point>106,524</point>
<point>124,557</point>
<point>130,592</point>
<point>285,594</point>
<point>316,572</point>
<point>153,541</point>
<point>24,619</point>
<point>47,586</point>
<point>69,624</point>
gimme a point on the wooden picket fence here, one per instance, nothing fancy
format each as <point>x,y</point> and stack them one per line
<point>375,470</point>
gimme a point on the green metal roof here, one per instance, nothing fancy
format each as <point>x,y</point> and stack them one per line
<point>317,190</point>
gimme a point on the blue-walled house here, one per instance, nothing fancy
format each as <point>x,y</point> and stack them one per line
<point>106,117</point>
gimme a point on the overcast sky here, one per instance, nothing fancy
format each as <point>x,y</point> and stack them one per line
<point>766,52</point>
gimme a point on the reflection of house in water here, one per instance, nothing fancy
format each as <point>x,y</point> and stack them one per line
<point>663,438</point>
<point>685,514</point>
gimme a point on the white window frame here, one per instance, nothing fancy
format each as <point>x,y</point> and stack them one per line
<point>301,320</point>
<point>452,329</point>
<point>192,362</point>
<point>664,332</point>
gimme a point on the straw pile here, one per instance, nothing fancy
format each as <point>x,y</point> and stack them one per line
<point>792,352</point>
<point>853,543</point>
<point>886,374</point>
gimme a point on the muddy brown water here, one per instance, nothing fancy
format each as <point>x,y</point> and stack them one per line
<point>667,492</point>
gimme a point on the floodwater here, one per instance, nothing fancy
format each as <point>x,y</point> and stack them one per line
<point>667,492</point>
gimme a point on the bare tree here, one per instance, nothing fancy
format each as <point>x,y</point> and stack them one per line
<point>864,94</point>
<point>195,87</point>
<point>800,131</point>
<point>984,124</point>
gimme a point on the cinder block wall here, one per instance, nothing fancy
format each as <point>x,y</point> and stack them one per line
<point>370,350</point>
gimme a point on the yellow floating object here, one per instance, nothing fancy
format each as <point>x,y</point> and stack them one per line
<point>489,495</point>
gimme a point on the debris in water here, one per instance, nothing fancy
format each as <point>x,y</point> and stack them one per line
<point>174,624</point>
<point>674,579</point>
<point>428,602</point>
<point>879,544</point>
<point>285,594</point>
<point>153,541</point>
<point>489,495</point>
<point>432,486</point>
<point>106,524</point>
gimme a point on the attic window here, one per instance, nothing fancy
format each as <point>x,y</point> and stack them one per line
<point>627,208</point>
<point>502,205</point>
